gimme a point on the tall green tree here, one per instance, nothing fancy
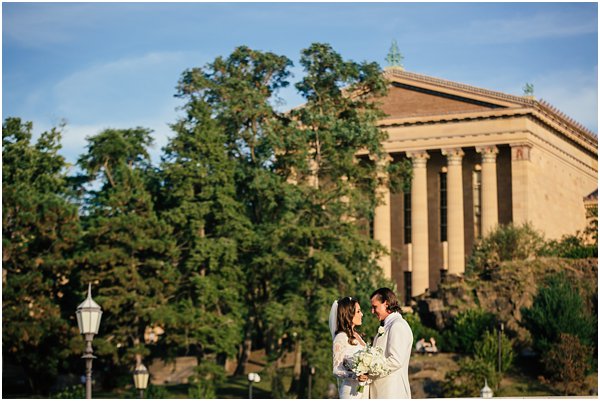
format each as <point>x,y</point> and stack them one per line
<point>302,189</point>
<point>328,160</point>
<point>40,228</point>
<point>199,202</point>
<point>128,251</point>
<point>239,91</point>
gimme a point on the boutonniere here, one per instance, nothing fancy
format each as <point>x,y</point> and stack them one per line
<point>380,330</point>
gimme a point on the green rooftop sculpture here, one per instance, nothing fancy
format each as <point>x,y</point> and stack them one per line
<point>394,58</point>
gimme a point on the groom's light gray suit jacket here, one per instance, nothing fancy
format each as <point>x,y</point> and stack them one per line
<point>396,343</point>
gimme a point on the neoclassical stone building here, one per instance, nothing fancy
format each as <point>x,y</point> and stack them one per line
<point>480,158</point>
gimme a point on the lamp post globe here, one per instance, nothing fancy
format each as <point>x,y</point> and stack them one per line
<point>486,391</point>
<point>88,315</point>
<point>140,379</point>
<point>252,378</point>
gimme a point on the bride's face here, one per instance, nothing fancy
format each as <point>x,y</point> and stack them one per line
<point>357,319</point>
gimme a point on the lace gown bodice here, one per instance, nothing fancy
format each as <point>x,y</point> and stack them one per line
<point>347,383</point>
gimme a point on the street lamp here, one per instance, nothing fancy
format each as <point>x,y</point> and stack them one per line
<point>486,391</point>
<point>252,378</point>
<point>500,330</point>
<point>311,373</point>
<point>88,319</point>
<point>140,378</point>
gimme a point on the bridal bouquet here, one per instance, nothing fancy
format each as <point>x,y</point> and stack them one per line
<point>369,361</point>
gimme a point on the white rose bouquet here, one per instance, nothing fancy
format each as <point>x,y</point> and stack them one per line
<point>369,361</point>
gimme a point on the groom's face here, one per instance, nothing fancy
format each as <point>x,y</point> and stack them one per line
<point>379,309</point>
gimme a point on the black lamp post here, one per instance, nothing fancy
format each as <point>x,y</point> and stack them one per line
<point>252,378</point>
<point>500,330</point>
<point>88,314</point>
<point>311,373</point>
<point>140,379</point>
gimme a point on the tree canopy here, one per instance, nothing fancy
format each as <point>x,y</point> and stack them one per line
<point>254,221</point>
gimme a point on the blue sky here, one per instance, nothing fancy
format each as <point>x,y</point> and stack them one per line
<point>116,65</point>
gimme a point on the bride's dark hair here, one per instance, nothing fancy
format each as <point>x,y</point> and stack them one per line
<point>345,315</point>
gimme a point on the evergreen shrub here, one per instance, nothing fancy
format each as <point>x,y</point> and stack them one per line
<point>566,364</point>
<point>468,380</point>
<point>558,308</point>
<point>208,378</point>
<point>506,242</point>
<point>76,391</point>
<point>467,328</point>
<point>202,390</point>
<point>155,392</point>
<point>572,247</point>
<point>487,349</point>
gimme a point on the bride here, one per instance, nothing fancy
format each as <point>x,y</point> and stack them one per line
<point>345,315</point>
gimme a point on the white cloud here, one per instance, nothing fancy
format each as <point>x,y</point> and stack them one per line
<point>125,93</point>
<point>130,88</point>
<point>45,24</point>
<point>548,25</point>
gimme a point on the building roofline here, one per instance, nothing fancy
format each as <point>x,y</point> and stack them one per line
<point>542,106</point>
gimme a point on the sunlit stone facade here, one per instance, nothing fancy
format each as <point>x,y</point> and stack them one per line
<point>480,158</point>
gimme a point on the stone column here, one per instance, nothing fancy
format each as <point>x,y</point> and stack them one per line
<point>456,218</point>
<point>489,189</point>
<point>520,164</point>
<point>420,228</point>
<point>382,221</point>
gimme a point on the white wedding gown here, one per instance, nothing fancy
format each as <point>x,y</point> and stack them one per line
<point>347,383</point>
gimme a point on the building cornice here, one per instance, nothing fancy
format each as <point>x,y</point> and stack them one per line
<point>511,106</point>
<point>539,115</point>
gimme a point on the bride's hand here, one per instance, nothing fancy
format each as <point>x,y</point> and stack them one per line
<point>362,378</point>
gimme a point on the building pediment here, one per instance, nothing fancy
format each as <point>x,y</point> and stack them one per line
<point>420,99</point>
<point>436,92</point>
<point>405,100</point>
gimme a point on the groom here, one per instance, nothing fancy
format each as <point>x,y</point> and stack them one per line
<point>395,338</point>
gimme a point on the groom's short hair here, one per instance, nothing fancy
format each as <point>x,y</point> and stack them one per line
<point>385,294</point>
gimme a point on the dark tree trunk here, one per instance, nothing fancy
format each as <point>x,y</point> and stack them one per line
<point>246,349</point>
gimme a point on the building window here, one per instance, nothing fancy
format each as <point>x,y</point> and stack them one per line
<point>443,208</point>
<point>477,202</point>
<point>407,287</point>
<point>407,218</point>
